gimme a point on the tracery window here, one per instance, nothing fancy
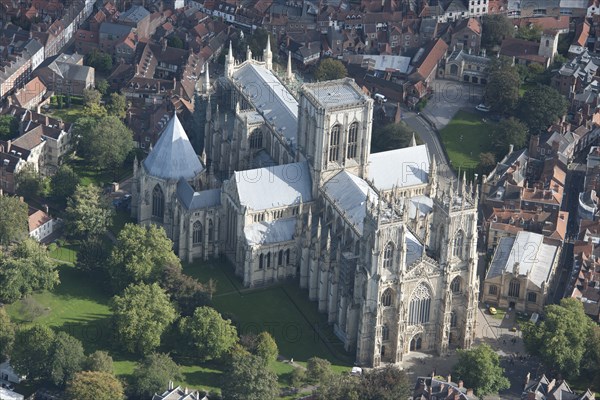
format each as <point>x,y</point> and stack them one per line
<point>453,319</point>
<point>334,143</point>
<point>386,298</point>
<point>211,230</point>
<point>514,288</point>
<point>158,202</point>
<point>385,333</point>
<point>256,139</point>
<point>455,285</point>
<point>197,233</point>
<point>388,255</point>
<point>352,140</point>
<point>458,244</point>
<point>420,305</point>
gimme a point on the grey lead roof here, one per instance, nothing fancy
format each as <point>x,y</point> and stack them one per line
<point>193,200</point>
<point>336,93</point>
<point>173,157</point>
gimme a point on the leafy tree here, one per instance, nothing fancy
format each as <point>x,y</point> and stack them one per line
<point>392,136</point>
<point>7,335</point>
<point>102,86</point>
<point>99,361</point>
<point>318,370</point>
<point>532,33</point>
<point>266,348</point>
<point>187,292</point>
<point>117,105</point>
<point>247,378</point>
<point>561,339</point>
<point>13,224</point>
<point>99,60</point>
<point>88,213</point>
<point>257,42</point>
<point>590,365</point>
<point>66,359</point>
<point>141,316</point>
<point>31,352</point>
<point>111,141</point>
<point>91,97</point>
<point>9,126</point>
<point>496,28</point>
<point>340,387</point>
<point>502,89</point>
<point>330,69</point>
<point>175,41</point>
<point>140,255</point>
<point>387,383</point>
<point>487,161</point>
<point>93,385</point>
<point>82,131</point>
<point>92,256</point>
<point>30,183</point>
<point>63,183</point>
<point>208,333</point>
<point>509,131</point>
<point>25,269</point>
<point>298,377</point>
<point>541,106</point>
<point>153,374</point>
<point>480,369</point>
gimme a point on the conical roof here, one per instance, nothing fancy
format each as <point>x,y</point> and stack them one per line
<point>173,156</point>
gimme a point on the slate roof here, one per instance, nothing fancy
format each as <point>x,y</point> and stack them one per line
<point>73,72</point>
<point>401,167</point>
<point>281,230</point>
<point>193,200</point>
<point>173,157</point>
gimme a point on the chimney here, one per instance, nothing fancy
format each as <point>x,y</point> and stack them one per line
<point>45,207</point>
<point>170,385</point>
<point>527,378</point>
<point>460,384</point>
<point>8,145</point>
<point>449,378</point>
<point>585,283</point>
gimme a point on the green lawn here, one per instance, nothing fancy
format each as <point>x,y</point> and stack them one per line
<point>465,137</point>
<point>96,177</point>
<point>70,114</point>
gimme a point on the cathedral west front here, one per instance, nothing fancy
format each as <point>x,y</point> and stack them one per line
<point>287,188</point>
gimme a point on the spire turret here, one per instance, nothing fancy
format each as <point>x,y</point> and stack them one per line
<point>413,141</point>
<point>206,79</point>
<point>248,54</point>
<point>229,62</point>
<point>289,75</point>
<point>268,55</point>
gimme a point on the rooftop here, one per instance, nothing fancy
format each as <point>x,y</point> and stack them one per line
<point>337,93</point>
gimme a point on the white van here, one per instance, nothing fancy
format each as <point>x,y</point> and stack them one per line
<point>380,98</point>
<point>534,318</point>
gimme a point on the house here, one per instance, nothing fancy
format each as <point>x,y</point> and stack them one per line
<point>426,63</point>
<point>555,389</point>
<point>521,273</point>
<point>10,165</point>
<point>463,66</point>
<point>41,225</point>
<point>533,8</point>
<point>31,95</point>
<point>432,388</point>
<point>467,35</point>
<point>6,394</point>
<point>179,393</point>
<point>8,374</point>
<point>16,64</point>
<point>526,52</point>
<point>585,280</point>
<point>63,76</point>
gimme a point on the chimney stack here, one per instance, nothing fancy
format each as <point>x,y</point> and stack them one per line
<point>449,378</point>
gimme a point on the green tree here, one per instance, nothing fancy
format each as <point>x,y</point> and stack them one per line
<point>208,333</point>
<point>532,33</point>
<point>30,183</point>
<point>266,348</point>
<point>9,126</point>
<point>63,183</point>
<point>509,131</point>
<point>391,137</point>
<point>298,377</point>
<point>91,97</point>
<point>99,361</point>
<point>561,339</point>
<point>496,27</point>
<point>540,107</point>
<point>187,292</point>
<point>257,42</point>
<point>117,105</point>
<point>340,387</point>
<point>487,161</point>
<point>88,212</point>
<point>140,255</point>
<point>99,60</point>
<point>92,257</point>
<point>387,383</point>
<point>153,374</point>
<point>25,269</point>
<point>102,86</point>
<point>111,141</point>
<point>318,370</point>
<point>93,385</point>
<point>141,315</point>
<point>7,335</point>
<point>590,366</point>
<point>175,41</point>
<point>31,352</point>
<point>330,69</point>
<point>502,89</point>
<point>480,369</point>
<point>247,378</point>
<point>66,359</point>
<point>13,224</point>
<point>82,130</point>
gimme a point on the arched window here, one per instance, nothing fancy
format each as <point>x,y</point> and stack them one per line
<point>514,288</point>
<point>334,143</point>
<point>385,333</point>
<point>211,230</point>
<point>420,305</point>
<point>158,202</point>
<point>256,139</point>
<point>458,244</point>
<point>287,257</point>
<point>268,260</point>
<point>261,261</point>
<point>280,257</point>
<point>386,298</point>
<point>357,248</point>
<point>455,285</point>
<point>388,255</point>
<point>532,297</point>
<point>352,140</point>
<point>197,233</point>
<point>453,319</point>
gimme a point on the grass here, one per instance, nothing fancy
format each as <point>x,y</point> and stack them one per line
<point>66,253</point>
<point>499,314</point>
<point>465,137</point>
<point>70,114</point>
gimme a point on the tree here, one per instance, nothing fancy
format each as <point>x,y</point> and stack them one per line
<point>590,366</point>
<point>91,97</point>
<point>63,183</point>
<point>66,359</point>
<point>187,292</point>
<point>111,141</point>
<point>561,339</point>
<point>318,370</point>
<point>141,315</point>
<point>208,333</point>
<point>25,269</point>
<point>391,137</point>
<point>102,86</point>
<point>92,256</point>
<point>31,352</point>
<point>99,361</point>
<point>117,105</point>
<point>9,126</point>
<point>175,41</point>
<point>266,348</point>
<point>487,161</point>
<point>480,369</point>
<point>247,378</point>
<point>387,383</point>
<point>257,42</point>
<point>99,60</point>
<point>531,32</point>
<point>153,374</point>
<point>540,107</point>
<point>509,131</point>
<point>496,28</point>
<point>140,255</point>
<point>93,385</point>
<point>13,224</point>
<point>330,69</point>
<point>340,387</point>
<point>88,213</point>
<point>30,183</point>
<point>7,335</point>
<point>82,131</point>
<point>502,89</point>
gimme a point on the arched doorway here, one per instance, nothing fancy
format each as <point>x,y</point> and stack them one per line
<point>416,343</point>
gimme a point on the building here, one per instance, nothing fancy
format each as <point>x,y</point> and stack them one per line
<point>179,393</point>
<point>31,95</point>
<point>545,388</point>
<point>41,225</point>
<point>467,35</point>
<point>287,187</point>
<point>521,273</point>
<point>585,281</point>
<point>17,61</point>
<point>463,66</point>
<point>526,52</point>
<point>431,388</point>
<point>67,77</point>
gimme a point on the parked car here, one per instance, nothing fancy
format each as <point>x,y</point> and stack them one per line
<point>492,311</point>
<point>482,107</point>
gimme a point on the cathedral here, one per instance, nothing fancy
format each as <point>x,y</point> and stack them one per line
<point>287,188</point>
